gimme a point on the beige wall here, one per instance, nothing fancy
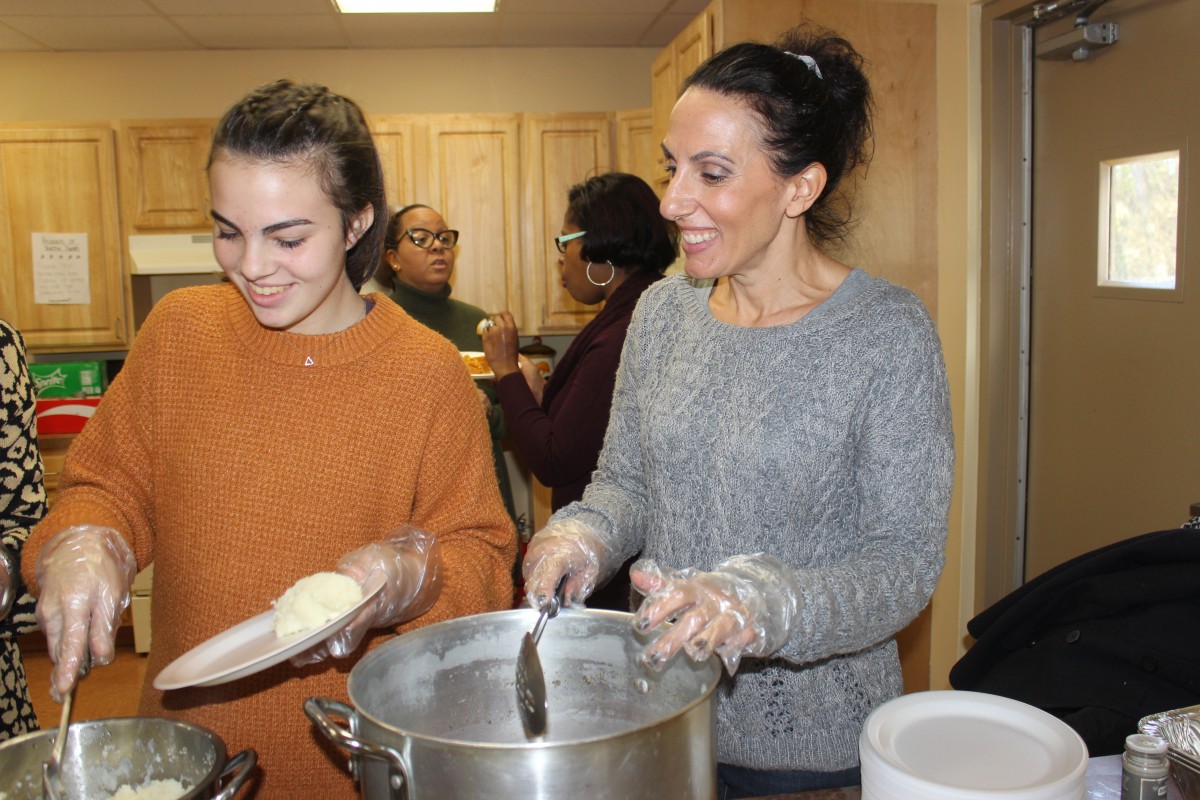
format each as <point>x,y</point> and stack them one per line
<point>86,86</point>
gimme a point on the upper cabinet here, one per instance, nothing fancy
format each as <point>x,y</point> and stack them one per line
<point>467,167</point>
<point>674,63</point>
<point>560,151</point>
<point>638,152</point>
<point>474,180</point>
<point>61,282</point>
<point>163,185</point>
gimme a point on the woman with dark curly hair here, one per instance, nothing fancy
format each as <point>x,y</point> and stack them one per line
<point>613,246</point>
<point>780,445</point>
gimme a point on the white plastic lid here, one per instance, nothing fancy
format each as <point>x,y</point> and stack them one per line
<point>1146,743</point>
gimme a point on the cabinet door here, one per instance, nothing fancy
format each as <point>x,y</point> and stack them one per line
<point>61,181</point>
<point>663,94</point>
<point>675,63</point>
<point>163,185</point>
<point>561,150</point>
<point>638,152</point>
<point>692,46</point>
<point>474,181</point>
<point>394,140</point>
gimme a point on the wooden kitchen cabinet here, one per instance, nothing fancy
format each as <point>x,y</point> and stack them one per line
<point>638,152</point>
<point>164,188</point>
<point>560,151</point>
<point>62,180</point>
<point>394,138</point>
<point>674,63</point>
<point>474,180</point>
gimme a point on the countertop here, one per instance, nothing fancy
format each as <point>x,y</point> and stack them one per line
<point>1103,783</point>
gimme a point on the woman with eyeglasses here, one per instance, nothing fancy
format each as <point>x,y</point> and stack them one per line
<point>418,260</point>
<point>614,245</point>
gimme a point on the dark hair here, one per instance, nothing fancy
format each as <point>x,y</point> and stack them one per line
<point>620,214</point>
<point>284,121</point>
<point>807,116</point>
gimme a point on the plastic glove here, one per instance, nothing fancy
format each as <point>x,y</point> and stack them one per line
<point>84,573</point>
<point>747,606</point>
<point>567,547</point>
<point>8,581</point>
<point>410,561</point>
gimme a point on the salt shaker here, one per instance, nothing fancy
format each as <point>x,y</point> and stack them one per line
<point>1144,768</point>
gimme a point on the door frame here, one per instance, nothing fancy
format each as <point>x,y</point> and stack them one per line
<point>1006,64</point>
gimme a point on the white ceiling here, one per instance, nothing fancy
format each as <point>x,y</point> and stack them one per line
<point>130,25</point>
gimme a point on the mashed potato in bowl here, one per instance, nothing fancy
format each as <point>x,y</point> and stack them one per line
<point>312,601</point>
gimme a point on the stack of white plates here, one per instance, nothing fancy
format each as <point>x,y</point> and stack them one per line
<point>969,746</point>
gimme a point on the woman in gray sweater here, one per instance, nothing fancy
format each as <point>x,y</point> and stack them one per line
<point>780,445</point>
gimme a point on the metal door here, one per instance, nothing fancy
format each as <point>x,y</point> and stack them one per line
<point>1114,378</point>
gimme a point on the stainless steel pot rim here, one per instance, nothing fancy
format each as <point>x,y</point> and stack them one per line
<point>711,666</point>
<point>107,722</point>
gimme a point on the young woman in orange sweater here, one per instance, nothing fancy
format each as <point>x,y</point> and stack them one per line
<point>242,447</point>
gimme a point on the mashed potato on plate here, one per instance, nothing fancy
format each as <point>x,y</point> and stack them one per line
<point>311,602</point>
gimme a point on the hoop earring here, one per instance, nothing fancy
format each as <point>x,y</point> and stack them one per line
<point>588,272</point>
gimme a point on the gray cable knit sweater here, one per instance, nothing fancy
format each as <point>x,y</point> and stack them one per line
<point>826,443</point>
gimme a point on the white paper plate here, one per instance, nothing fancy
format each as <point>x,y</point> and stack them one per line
<point>249,647</point>
<point>949,745</point>
<point>482,376</point>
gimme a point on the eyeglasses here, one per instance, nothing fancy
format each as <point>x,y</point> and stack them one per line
<point>561,241</point>
<point>424,239</point>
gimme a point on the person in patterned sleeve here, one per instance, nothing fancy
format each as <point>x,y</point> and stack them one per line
<point>22,504</point>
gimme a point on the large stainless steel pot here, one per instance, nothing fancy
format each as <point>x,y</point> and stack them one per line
<point>103,755</point>
<point>434,714</point>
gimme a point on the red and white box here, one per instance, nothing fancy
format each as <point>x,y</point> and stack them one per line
<point>64,415</point>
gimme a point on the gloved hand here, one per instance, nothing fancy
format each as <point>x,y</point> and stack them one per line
<point>84,573</point>
<point>567,547</point>
<point>410,561</point>
<point>747,606</point>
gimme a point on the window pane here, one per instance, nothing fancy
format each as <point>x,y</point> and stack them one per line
<point>1143,221</point>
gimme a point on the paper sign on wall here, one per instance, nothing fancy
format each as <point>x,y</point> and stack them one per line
<point>60,269</point>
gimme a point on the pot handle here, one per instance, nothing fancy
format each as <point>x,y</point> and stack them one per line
<point>319,709</point>
<point>238,770</point>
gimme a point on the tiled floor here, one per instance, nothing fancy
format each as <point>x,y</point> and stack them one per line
<point>108,691</point>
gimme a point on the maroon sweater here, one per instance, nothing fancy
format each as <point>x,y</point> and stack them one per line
<point>560,440</point>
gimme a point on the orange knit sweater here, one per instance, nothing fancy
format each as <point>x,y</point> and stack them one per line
<point>237,471</point>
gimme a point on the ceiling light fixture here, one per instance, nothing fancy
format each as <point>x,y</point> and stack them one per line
<point>415,6</point>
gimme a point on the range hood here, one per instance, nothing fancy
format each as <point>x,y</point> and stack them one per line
<point>172,254</point>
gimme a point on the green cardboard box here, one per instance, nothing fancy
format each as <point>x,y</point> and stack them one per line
<point>68,378</point>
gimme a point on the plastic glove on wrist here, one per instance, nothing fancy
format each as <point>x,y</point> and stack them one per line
<point>84,573</point>
<point>410,562</point>
<point>568,547</point>
<point>746,606</point>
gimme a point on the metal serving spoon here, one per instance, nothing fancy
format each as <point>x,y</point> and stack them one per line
<point>51,780</point>
<point>531,683</point>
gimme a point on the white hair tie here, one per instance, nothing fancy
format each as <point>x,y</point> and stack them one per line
<point>809,62</point>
